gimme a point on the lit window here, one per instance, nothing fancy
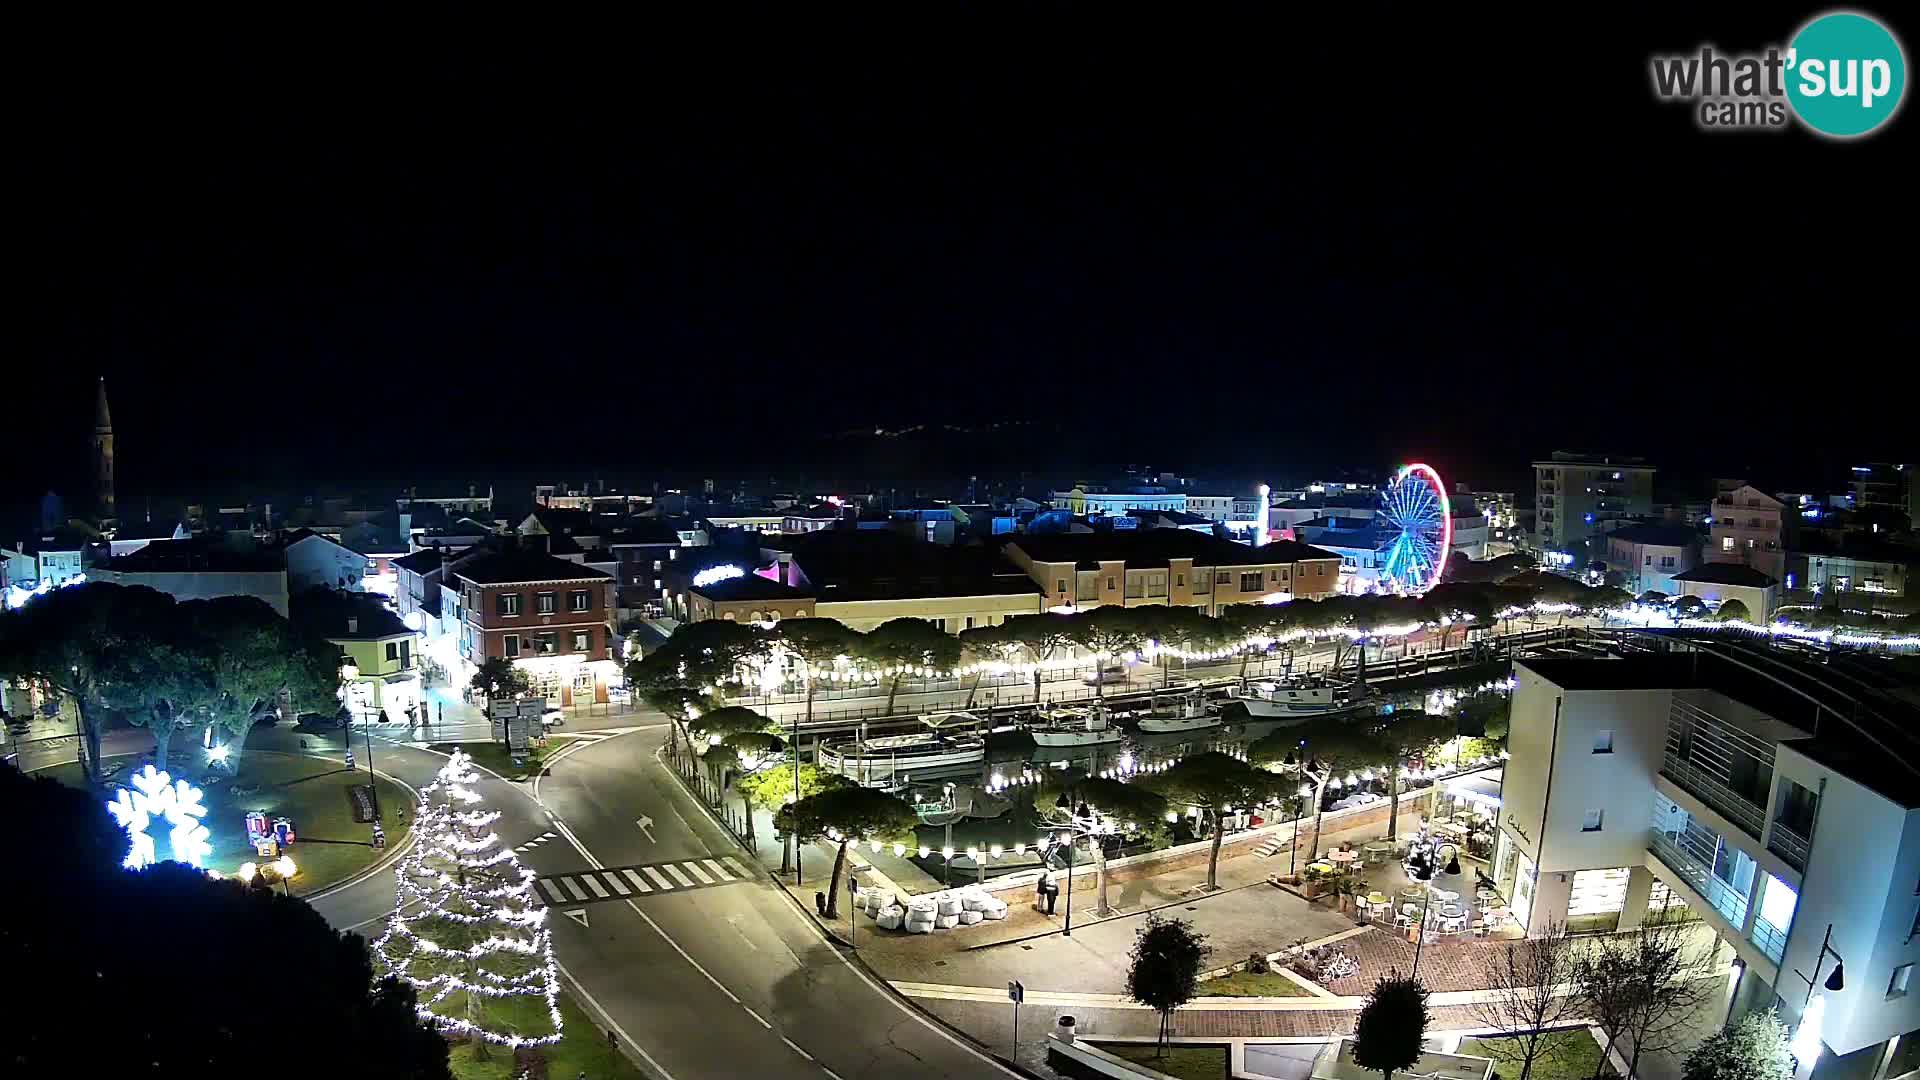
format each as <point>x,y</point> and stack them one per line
<point>1726,543</point>
<point>582,640</point>
<point>1591,821</point>
<point>579,600</point>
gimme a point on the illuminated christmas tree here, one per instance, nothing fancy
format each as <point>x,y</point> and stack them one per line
<point>465,929</point>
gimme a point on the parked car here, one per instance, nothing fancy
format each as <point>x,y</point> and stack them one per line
<point>1112,673</point>
<point>553,718</point>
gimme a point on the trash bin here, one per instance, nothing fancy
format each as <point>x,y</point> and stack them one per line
<point>820,903</point>
<point>1053,896</point>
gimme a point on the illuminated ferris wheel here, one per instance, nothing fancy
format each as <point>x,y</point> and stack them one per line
<point>1416,529</point>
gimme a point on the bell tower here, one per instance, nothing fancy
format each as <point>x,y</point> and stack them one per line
<point>102,454</point>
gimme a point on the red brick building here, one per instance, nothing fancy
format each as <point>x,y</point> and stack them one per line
<point>551,617</point>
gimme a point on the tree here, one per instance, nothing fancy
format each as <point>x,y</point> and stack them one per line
<point>817,644</point>
<point>1041,637</point>
<point>256,660</point>
<point>1732,611</point>
<point>1182,628</point>
<point>1165,969</point>
<point>1392,1025</point>
<point>1335,747</point>
<point>1403,737</point>
<point>88,643</point>
<point>1689,607</point>
<point>697,658</point>
<point>500,679</point>
<point>70,939</point>
<point>1097,806</point>
<point>1462,604</point>
<point>1107,632</point>
<point>1654,598</point>
<point>745,753</point>
<point>772,789</point>
<point>711,728</point>
<point>1213,782</point>
<point>845,815</point>
<point>465,932</point>
<point>1529,990</point>
<point>1640,986</point>
<point>900,646</point>
<point>1754,1047</point>
<point>1485,715</point>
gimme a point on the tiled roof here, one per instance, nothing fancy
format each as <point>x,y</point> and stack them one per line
<point>523,564</point>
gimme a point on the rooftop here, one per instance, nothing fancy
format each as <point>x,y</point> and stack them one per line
<point>1657,535</point>
<point>1148,548</point>
<point>1734,574</point>
<point>749,587</point>
<point>198,555</point>
<point>525,564</point>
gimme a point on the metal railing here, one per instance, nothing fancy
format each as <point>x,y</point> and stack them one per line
<point>1790,845</point>
<point>1722,897</point>
<point>1771,939</point>
<point>1732,805</point>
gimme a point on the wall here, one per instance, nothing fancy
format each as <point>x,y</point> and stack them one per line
<point>864,615</point>
<point>316,561</point>
<point>1619,784</point>
<point>268,585</point>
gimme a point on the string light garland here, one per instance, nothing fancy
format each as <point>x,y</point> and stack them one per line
<point>458,883</point>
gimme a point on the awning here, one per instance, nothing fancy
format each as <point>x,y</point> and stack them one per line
<point>1482,787</point>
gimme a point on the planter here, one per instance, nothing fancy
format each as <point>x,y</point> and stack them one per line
<point>1064,1027</point>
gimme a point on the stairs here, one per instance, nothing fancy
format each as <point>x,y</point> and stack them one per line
<point>1270,847</point>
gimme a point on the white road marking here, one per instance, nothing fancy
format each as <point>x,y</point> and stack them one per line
<point>553,893</point>
<point>615,1024</point>
<point>734,921</point>
<point>718,869</point>
<point>573,887</point>
<point>677,875</point>
<point>618,885</point>
<point>830,1072</point>
<point>757,1016</point>
<point>578,915</point>
<point>658,878</point>
<point>735,867</point>
<point>593,882</point>
<point>694,869</point>
<point>796,1048</point>
<point>637,883</point>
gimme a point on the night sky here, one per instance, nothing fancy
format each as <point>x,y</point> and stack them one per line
<point>1243,246</point>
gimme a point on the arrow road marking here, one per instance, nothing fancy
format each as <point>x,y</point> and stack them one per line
<point>646,826</point>
<point>578,915</point>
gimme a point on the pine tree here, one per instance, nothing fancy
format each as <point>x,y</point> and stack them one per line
<point>465,930</point>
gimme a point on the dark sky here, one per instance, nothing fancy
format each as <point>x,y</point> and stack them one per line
<point>1239,243</point>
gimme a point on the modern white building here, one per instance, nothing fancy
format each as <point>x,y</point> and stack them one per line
<point>1777,802</point>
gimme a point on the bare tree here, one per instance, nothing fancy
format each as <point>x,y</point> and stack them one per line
<point>1531,989</point>
<point>1644,986</point>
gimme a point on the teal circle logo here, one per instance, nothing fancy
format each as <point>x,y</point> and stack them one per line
<point>1845,74</point>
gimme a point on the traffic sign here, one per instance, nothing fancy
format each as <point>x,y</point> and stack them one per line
<point>1016,991</point>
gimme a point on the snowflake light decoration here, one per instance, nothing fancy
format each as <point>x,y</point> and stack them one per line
<point>157,795</point>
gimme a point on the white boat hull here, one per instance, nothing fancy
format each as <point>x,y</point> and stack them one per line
<point>1057,738</point>
<point>1268,709</point>
<point>880,768</point>
<point>1160,725</point>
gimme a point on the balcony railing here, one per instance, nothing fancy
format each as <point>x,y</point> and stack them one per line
<point>1771,939</point>
<point>1732,805</point>
<point>1790,845</point>
<point>1725,900</point>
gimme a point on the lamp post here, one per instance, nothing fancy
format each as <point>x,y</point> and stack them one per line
<point>284,866</point>
<point>1312,770</point>
<point>1806,1043</point>
<point>1424,875</point>
<point>350,673</point>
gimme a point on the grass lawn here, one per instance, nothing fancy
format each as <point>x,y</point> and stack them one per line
<point>581,1049</point>
<point>1570,1054</point>
<point>1183,1061</point>
<point>330,845</point>
<point>494,756</point>
<point>1247,984</point>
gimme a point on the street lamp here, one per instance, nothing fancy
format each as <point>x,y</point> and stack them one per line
<point>350,673</point>
<point>1312,770</point>
<point>1423,873</point>
<point>285,867</point>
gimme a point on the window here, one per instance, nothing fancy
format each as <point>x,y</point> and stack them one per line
<point>1179,579</point>
<point>656,566</point>
<point>582,640</point>
<point>1897,986</point>
<point>507,604</point>
<point>1649,560</point>
<point>1666,562</point>
<point>1110,584</point>
<point>393,650</point>
<point>673,553</point>
<point>549,642</point>
<point>512,645</point>
<point>1060,586</point>
<point>406,654</point>
<point>579,600</point>
<point>1250,582</point>
<point>969,622</point>
<point>546,603</point>
<point>1726,543</point>
<point>1222,578</point>
<point>1603,741</point>
<point>1591,821</point>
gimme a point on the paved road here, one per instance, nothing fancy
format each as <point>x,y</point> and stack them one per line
<point>715,978</point>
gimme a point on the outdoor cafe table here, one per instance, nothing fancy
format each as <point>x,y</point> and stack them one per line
<point>1342,858</point>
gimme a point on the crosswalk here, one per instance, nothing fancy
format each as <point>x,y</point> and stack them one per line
<point>629,882</point>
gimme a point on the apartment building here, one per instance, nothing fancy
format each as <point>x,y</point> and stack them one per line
<point>1135,567</point>
<point>549,616</point>
<point>1577,496</point>
<point>1115,503</point>
<point>1776,802</point>
<point>1646,558</point>
<point>1749,528</point>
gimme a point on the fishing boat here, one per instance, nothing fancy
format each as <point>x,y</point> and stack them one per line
<point>952,739</point>
<point>1190,714</point>
<point>1073,727</point>
<point>1301,696</point>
